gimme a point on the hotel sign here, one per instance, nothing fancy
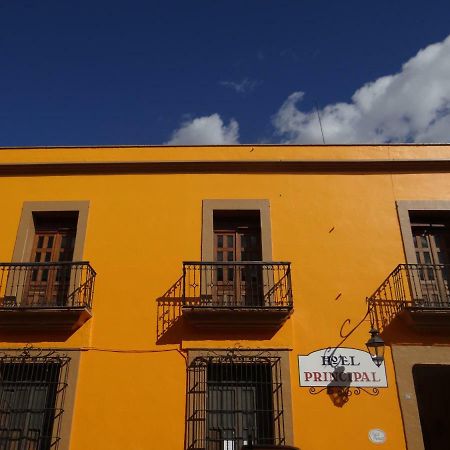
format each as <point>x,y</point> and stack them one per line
<point>343,367</point>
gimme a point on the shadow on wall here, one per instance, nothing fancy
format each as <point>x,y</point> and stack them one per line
<point>339,390</point>
<point>35,336</point>
<point>169,314</point>
<point>173,328</point>
<point>398,329</point>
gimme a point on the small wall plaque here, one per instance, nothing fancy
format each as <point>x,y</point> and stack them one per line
<point>377,436</point>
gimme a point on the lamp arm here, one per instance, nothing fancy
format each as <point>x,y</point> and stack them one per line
<point>346,336</point>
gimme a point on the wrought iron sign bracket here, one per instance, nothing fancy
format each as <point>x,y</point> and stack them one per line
<point>347,391</point>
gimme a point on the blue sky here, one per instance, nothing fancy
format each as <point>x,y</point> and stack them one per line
<point>197,72</point>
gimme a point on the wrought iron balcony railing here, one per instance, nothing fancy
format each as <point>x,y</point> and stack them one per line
<point>46,285</point>
<point>253,284</point>
<point>413,286</point>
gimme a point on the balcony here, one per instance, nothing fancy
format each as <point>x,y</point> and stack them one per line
<point>419,293</point>
<point>45,296</point>
<point>237,294</point>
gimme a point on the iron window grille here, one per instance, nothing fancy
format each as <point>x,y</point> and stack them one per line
<point>234,399</point>
<point>32,390</point>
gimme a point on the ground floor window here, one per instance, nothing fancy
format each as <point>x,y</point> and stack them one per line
<point>234,399</point>
<point>32,386</point>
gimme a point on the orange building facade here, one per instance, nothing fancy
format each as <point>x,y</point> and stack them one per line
<point>221,297</point>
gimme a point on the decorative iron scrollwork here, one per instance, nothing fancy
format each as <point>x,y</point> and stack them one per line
<point>372,391</point>
<point>235,355</point>
<point>348,391</point>
<point>34,354</point>
<point>314,391</point>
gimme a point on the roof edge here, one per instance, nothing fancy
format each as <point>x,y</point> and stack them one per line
<point>111,146</point>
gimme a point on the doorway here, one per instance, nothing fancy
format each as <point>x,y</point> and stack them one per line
<point>431,237</point>
<point>433,400</point>
<point>53,247</point>
<point>237,244</point>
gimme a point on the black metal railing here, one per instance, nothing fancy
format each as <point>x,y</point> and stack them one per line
<point>46,285</point>
<point>253,284</point>
<point>421,286</point>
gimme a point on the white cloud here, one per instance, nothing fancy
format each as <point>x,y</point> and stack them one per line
<point>410,106</point>
<point>207,130</point>
<point>246,85</point>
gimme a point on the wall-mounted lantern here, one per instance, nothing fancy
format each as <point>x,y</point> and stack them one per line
<point>375,346</point>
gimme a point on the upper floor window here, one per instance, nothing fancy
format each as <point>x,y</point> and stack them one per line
<point>47,279</point>
<point>431,238</point>
<point>236,230</point>
<point>431,234</point>
<point>237,240</point>
<point>236,273</point>
<point>54,236</point>
<point>54,239</point>
<point>237,235</point>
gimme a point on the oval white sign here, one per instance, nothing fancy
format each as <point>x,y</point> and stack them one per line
<point>377,436</point>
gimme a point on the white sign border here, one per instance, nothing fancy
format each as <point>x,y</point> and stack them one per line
<point>350,386</point>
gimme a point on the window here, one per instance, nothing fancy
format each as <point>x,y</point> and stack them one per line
<point>54,236</point>
<point>53,243</point>
<point>237,235</point>
<point>41,214</point>
<point>236,272</point>
<point>425,228</point>
<point>254,214</point>
<point>31,400</point>
<point>431,237</point>
<point>431,233</point>
<point>235,399</point>
<point>47,269</point>
<point>237,240</point>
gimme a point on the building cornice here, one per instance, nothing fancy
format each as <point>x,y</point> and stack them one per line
<point>204,167</point>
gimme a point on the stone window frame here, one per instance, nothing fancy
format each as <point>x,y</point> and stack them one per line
<point>208,208</point>
<point>283,354</point>
<point>405,357</point>
<point>26,229</point>
<point>404,207</point>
